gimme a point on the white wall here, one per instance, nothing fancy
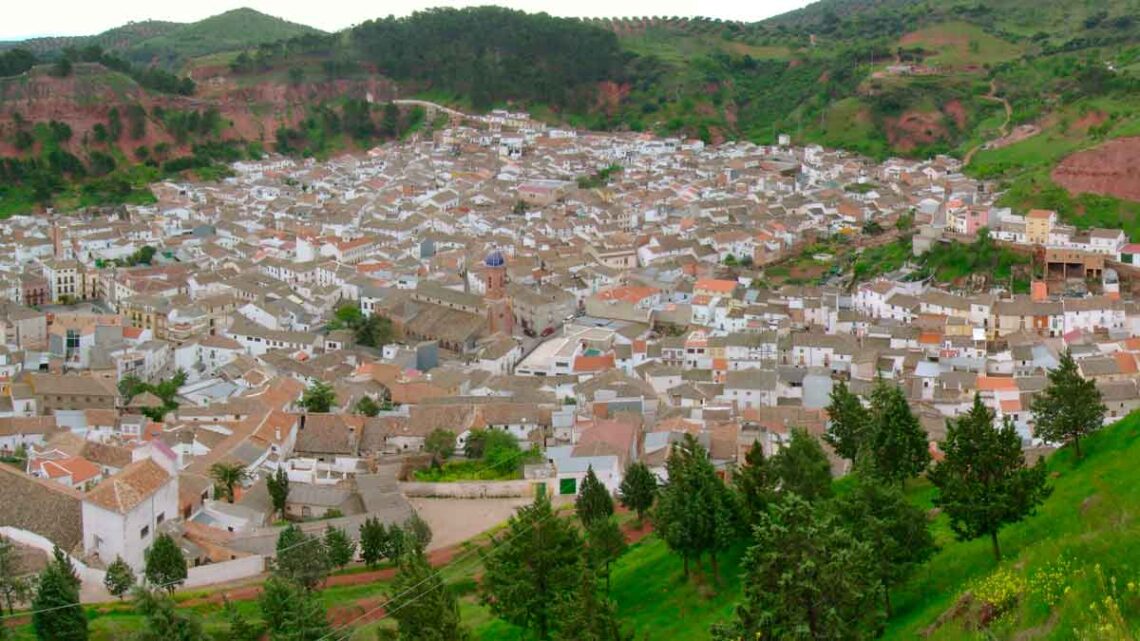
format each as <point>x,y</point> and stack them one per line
<point>119,534</point>
<point>224,572</point>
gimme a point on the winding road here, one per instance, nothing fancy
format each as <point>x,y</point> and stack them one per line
<point>1003,130</point>
<point>432,105</point>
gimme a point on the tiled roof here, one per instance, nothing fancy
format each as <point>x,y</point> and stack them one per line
<point>46,508</point>
<point>130,487</point>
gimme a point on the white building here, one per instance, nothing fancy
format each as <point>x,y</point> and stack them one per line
<point>122,514</point>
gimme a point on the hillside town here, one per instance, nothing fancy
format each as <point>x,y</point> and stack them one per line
<point>597,297</point>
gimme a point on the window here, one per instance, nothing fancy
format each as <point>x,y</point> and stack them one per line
<point>568,486</point>
<point>144,532</point>
<point>160,518</point>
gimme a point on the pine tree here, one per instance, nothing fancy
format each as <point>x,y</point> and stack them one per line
<point>119,578</point>
<point>301,558</point>
<point>57,615</point>
<point>162,621</point>
<point>278,486</point>
<point>983,482</point>
<point>696,512</point>
<point>417,531</point>
<point>340,548</point>
<point>390,121</point>
<point>165,565</point>
<point>802,467</point>
<point>806,577</point>
<point>605,542</point>
<point>240,629</point>
<point>896,531</point>
<point>1069,407</point>
<point>593,501</point>
<point>755,483</point>
<point>638,489</point>
<point>422,605</point>
<point>848,422</point>
<point>372,540</point>
<point>394,542</point>
<point>292,613</point>
<point>531,567</point>
<point>898,445</point>
<point>587,615</point>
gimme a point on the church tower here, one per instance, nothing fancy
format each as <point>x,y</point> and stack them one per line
<point>500,318</point>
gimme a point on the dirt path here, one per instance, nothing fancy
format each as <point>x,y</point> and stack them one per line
<point>437,558</point>
<point>1003,130</point>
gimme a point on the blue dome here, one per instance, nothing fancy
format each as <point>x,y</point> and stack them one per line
<point>495,259</point>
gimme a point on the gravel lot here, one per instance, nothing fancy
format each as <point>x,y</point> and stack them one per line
<point>453,521</point>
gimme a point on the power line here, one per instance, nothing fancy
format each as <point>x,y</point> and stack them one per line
<point>309,539</point>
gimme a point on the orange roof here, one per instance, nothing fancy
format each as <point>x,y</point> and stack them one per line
<point>132,332</point>
<point>593,363</point>
<point>77,467</point>
<point>1126,362</point>
<point>629,293</point>
<point>1132,343</point>
<point>715,285</point>
<point>930,338</point>
<point>1040,214</point>
<point>1039,291</point>
<point>996,383</point>
<point>720,364</point>
<point>1011,405</point>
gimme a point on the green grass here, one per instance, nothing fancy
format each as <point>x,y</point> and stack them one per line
<point>960,44</point>
<point>1090,520</point>
<point>466,471</point>
<point>654,600</point>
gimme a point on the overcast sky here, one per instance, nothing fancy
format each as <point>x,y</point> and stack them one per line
<point>31,18</point>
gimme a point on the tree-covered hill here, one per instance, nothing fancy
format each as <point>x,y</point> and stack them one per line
<point>171,43</point>
<point>1013,86</point>
<point>118,39</point>
<point>224,32</point>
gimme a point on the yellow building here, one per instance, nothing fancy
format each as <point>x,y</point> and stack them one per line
<point>1038,224</point>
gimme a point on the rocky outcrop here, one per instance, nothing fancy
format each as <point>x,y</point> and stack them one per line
<point>1111,169</point>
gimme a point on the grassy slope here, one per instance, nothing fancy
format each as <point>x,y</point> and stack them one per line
<point>1090,520</point>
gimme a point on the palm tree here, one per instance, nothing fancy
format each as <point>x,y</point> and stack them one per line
<point>228,475</point>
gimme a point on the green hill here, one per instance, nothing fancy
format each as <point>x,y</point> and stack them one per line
<point>171,43</point>
<point>229,31</point>
<point>117,39</point>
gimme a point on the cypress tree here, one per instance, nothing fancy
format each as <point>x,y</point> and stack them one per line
<point>57,614</point>
<point>593,501</point>
<point>638,489</point>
